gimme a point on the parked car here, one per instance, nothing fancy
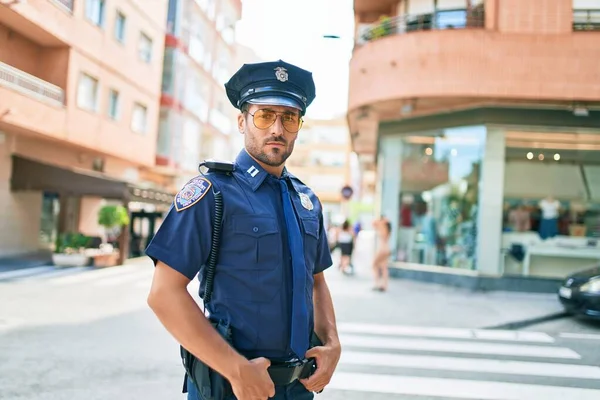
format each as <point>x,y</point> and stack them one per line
<point>580,293</point>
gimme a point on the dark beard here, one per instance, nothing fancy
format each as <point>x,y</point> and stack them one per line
<point>268,159</point>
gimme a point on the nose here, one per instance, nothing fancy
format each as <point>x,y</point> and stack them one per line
<point>277,127</point>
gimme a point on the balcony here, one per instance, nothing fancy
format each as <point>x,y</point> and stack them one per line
<point>31,86</point>
<point>66,5</point>
<point>439,20</point>
<point>586,20</point>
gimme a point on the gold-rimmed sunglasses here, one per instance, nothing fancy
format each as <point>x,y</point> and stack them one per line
<point>265,118</point>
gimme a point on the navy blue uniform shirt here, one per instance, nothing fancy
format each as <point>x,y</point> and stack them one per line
<point>253,278</point>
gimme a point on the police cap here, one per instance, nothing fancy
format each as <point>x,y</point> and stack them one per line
<point>271,83</point>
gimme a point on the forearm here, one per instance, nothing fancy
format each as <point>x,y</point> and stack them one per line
<point>182,317</point>
<point>325,324</point>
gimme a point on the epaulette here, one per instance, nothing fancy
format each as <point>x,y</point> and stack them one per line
<point>217,166</point>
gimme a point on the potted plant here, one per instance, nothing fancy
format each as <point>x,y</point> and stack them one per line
<point>113,218</point>
<point>69,250</point>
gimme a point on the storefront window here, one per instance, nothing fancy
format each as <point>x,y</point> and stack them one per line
<point>439,195</point>
<point>551,215</point>
<point>49,220</point>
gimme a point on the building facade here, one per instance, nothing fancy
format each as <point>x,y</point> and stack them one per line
<point>483,117</point>
<point>79,105</point>
<point>196,119</point>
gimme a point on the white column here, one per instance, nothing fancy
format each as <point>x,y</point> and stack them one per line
<point>390,176</point>
<point>491,198</point>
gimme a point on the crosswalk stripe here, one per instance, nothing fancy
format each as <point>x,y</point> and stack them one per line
<point>458,347</point>
<point>24,272</point>
<point>55,272</point>
<point>483,334</point>
<point>124,278</point>
<point>586,336</point>
<point>470,365</point>
<point>92,275</point>
<point>455,388</point>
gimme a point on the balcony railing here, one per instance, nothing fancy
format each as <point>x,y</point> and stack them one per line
<point>586,20</point>
<point>446,19</point>
<point>29,85</point>
<point>67,5</point>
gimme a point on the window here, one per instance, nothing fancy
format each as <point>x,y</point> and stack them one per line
<point>145,48</point>
<point>113,104</point>
<point>138,118</point>
<point>94,11</point>
<point>120,27</point>
<point>87,93</point>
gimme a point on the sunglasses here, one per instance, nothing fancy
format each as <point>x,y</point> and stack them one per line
<point>265,118</point>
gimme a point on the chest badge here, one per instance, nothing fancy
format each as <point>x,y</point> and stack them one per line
<point>305,201</point>
<point>192,193</point>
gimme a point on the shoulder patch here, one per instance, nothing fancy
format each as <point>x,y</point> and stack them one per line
<point>192,192</point>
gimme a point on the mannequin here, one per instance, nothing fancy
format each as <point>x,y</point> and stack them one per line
<point>550,208</point>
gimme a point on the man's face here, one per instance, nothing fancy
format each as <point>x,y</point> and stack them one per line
<point>273,145</point>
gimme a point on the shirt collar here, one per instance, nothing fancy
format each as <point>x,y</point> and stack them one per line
<point>250,170</point>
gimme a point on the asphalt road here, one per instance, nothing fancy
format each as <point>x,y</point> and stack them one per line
<point>88,334</point>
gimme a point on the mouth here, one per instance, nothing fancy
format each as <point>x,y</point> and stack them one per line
<point>275,144</point>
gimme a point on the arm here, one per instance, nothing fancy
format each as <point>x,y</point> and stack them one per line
<point>325,325</point>
<point>179,249</point>
<point>181,316</point>
<point>328,355</point>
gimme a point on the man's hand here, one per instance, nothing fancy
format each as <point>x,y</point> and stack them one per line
<point>326,358</point>
<point>252,381</point>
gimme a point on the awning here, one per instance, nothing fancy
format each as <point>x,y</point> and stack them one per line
<point>33,175</point>
<point>149,195</point>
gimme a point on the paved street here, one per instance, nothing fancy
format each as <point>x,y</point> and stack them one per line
<point>88,334</point>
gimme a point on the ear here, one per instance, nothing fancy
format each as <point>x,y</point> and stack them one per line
<point>242,123</point>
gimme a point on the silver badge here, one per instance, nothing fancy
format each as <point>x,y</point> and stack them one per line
<point>281,74</point>
<point>305,201</point>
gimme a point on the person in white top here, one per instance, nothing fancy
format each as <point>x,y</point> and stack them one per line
<point>550,209</point>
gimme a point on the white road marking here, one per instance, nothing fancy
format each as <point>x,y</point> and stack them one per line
<point>482,334</point>
<point>457,347</point>
<point>25,272</point>
<point>470,365</point>
<point>93,275</point>
<point>587,336</point>
<point>455,388</point>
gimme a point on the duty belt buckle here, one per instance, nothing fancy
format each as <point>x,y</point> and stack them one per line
<point>297,368</point>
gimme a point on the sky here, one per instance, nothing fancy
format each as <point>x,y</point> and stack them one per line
<point>292,30</point>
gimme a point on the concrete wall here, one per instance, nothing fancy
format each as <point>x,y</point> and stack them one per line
<point>20,213</point>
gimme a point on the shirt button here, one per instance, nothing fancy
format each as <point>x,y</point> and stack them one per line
<point>255,229</point>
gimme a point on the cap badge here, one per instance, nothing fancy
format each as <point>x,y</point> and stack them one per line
<point>305,201</point>
<point>281,74</point>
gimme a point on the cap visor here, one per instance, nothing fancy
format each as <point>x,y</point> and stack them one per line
<point>276,101</point>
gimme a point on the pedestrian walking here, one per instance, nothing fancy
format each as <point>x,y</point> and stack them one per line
<point>268,317</point>
<point>345,242</point>
<point>383,229</point>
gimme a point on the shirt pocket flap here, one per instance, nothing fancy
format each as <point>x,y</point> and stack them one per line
<point>311,226</point>
<point>255,225</point>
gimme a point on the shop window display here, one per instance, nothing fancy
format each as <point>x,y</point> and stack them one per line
<point>551,228</point>
<point>440,176</point>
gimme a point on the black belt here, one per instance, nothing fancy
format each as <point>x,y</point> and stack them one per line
<point>284,373</point>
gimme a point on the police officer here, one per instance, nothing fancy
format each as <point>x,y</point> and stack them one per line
<point>268,283</point>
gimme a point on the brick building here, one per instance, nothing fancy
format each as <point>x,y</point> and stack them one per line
<point>473,109</point>
<point>79,106</point>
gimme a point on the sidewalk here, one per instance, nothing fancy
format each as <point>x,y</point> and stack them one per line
<point>427,304</point>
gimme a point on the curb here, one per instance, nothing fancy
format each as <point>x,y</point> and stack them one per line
<point>528,322</point>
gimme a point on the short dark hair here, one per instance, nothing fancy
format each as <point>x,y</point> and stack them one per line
<point>245,107</point>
